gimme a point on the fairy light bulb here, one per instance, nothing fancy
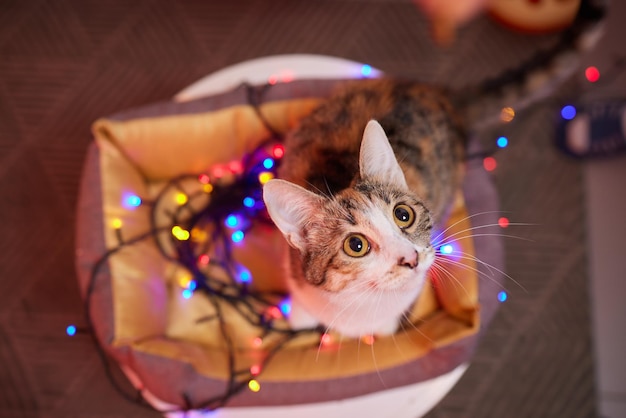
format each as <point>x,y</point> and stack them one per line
<point>204,178</point>
<point>255,370</point>
<point>237,236</point>
<point>131,201</point>
<point>243,274</point>
<point>502,141</point>
<point>285,307</point>
<point>116,223</point>
<point>592,74</point>
<point>257,342</point>
<point>366,70</point>
<point>265,176</point>
<point>568,112</point>
<point>231,221</point>
<point>278,151</point>
<point>503,222</point>
<point>502,296</point>
<point>249,202</point>
<point>268,163</point>
<point>180,233</point>
<point>326,339</point>
<point>204,259</point>
<point>207,188</point>
<point>490,163</point>
<point>181,198</point>
<point>184,281</point>
<point>187,293</point>
<point>254,385</point>
<point>446,249</point>
<point>368,339</point>
<point>70,330</point>
<point>507,114</point>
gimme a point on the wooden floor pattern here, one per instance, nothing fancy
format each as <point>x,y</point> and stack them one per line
<point>67,62</point>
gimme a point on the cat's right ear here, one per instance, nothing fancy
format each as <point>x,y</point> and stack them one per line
<point>290,207</point>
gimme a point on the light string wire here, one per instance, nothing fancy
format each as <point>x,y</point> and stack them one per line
<point>250,304</point>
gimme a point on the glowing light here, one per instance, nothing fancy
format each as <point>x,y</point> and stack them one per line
<point>268,163</point>
<point>249,202</point>
<point>243,274</point>
<point>272,80</point>
<point>285,307</point>
<point>502,296</point>
<point>231,221</point>
<point>568,112</point>
<point>184,281</point>
<point>204,259</point>
<point>218,172</point>
<point>207,188</point>
<point>490,163</point>
<point>278,151</point>
<point>265,176</point>
<point>592,74</point>
<point>446,249</point>
<point>507,114</point>
<point>193,285</point>
<point>326,339</point>
<point>368,339</point>
<point>503,222</point>
<point>235,166</point>
<point>257,342</point>
<point>204,178</point>
<point>180,233</point>
<point>181,198</point>
<point>237,236</point>
<point>274,312</point>
<point>502,142</point>
<point>70,330</point>
<point>131,201</point>
<point>254,385</point>
<point>116,223</point>
<point>366,70</point>
<point>199,235</point>
<point>187,293</point>
<point>255,370</point>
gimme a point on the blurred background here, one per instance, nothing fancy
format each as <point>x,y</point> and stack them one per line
<point>556,346</point>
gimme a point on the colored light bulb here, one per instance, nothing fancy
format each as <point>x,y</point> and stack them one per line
<point>568,112</point>
<point>70,330</point>
<point>502,141</point>
<point>502,296</point>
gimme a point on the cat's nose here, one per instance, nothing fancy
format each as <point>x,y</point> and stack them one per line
<point>410,262</point>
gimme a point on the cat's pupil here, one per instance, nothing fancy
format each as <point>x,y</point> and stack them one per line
<point>356,244</point>
<point>402,214</point>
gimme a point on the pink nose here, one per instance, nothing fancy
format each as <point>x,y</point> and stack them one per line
<point>410,262</point>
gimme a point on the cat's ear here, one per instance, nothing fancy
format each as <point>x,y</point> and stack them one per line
<point>377,160</point>
<point>290,207</point>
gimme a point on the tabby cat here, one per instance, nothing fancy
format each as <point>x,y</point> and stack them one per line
<point>358,206</point>
<point>371,174</point>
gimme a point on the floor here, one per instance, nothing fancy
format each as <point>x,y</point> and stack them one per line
<point>553,350</point>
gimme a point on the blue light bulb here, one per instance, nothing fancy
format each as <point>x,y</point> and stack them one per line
<point>268,163</point>
<point>231,221</point>
<point>446,249</point>
<point>249,202</point>
<point>502,296</point>
<point>187,293</point>
<point>366,70</point>
<point>502,142</point>
<point>568,112</point>
<point>70,330</point>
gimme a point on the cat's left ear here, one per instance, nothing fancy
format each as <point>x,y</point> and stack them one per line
<point>377,159</point>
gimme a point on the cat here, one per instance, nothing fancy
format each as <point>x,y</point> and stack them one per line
<point>370,175</point>
<point>365,180</point>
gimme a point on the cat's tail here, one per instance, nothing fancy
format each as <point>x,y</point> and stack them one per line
<point>537,77</point>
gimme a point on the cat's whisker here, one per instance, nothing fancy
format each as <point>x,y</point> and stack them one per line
<point>448,238</point>
<point>483,235</point>
<point>449,274</point>
<point>491,267</point>
<point>462,220</point>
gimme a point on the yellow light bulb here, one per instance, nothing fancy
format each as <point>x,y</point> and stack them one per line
<point>254,385</point>
<point>116,223</point>
<point>181,198</point>
<point>208,188</point>
<point>265,176</point>
<point>184,281</point>
<point>180,233</point>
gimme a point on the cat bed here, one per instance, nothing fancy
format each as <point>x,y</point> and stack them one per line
<point>189,349</point>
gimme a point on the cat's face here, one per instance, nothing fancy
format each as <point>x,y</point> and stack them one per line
<point>372,236</point>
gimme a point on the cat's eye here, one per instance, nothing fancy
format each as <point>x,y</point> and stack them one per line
<point>356,245</point>
<point>403,216</point>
